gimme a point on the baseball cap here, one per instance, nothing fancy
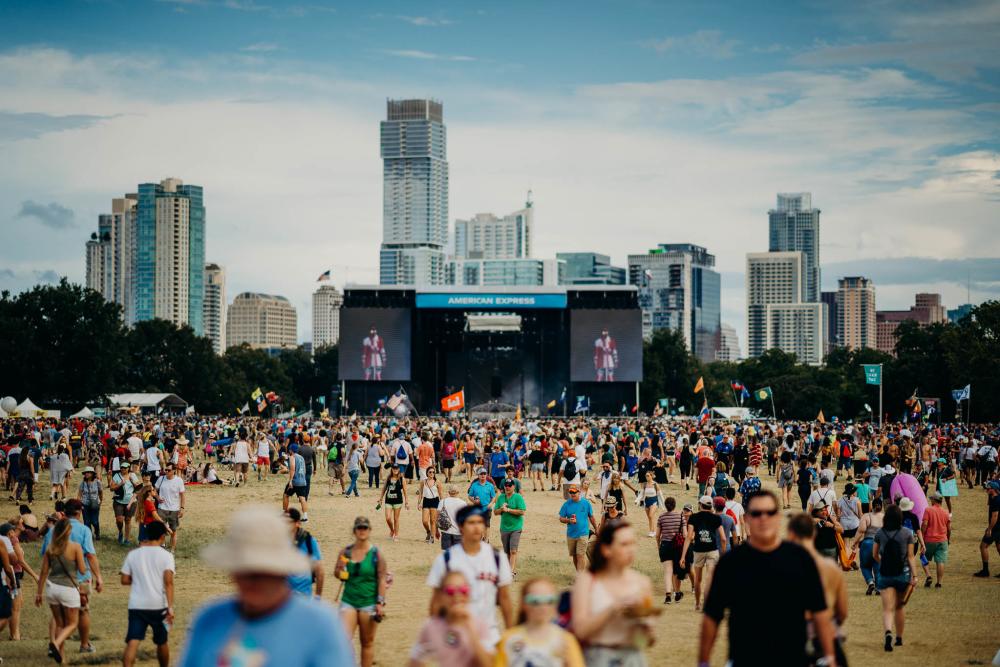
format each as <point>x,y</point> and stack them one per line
<point>574,489</point>
<point>509,481</point>
<point>705,501</point>
<point>934,495</point>
<point>688,507</point>
<point>361,522</point>
<point>993,484</point>
<point>719,502</point>
<point>481,471</point>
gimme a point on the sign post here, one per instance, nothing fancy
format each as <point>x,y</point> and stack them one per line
<point>873,375</point>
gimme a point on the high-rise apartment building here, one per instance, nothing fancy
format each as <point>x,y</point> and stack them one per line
<point>485,236</point>
<point>776,315</point>
<point>505,272</point>
<point>214,307</point>
<point>415,193</point>
<point>794,226</point>
<point>111,253</point>
<point>591,268</point>
<point>326,304</point>
<point>729,344</point>
<point>680,289</point>
<point>262,321</point>
<point>169,262</point>
<point>829,300</point>
<point>926,310</point>
<point>855,308</point>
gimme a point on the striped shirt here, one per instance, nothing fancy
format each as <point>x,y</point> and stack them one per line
<point>670,523</point>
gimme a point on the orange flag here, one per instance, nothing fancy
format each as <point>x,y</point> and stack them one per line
<point>700,386</point>
<point>453,402</point>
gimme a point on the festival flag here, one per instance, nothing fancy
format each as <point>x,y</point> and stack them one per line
<point>395,400</point>
<point>868,407</point>
<point>762,394</point>
<point>700,386</point>
<point>382,402</point>
<point>664,402</point>
<point>624,409</point>
<point>913,403</point>
<point>258,398</point>
<point>962,394</point>
<point>517,415</point>
<point>582,405</point>
<point>873,373</point>
<point>323,276</point>
<point>551,404</point>
<point>744,394</point>
<point>453,402</point>
<point>245,409</point>
<point>705,413</point>
<point>820,418</point>
<point>562,396</point>
<point>635,409</point>
<point>736,385</point>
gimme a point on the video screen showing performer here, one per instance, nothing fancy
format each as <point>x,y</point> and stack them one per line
<point>374,344</point>
<point>605,345</point>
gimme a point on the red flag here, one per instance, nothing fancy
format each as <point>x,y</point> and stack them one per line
<point>453,402</point>
<point>635,408</point>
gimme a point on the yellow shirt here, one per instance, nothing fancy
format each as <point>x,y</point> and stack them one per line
<point>556,648</point>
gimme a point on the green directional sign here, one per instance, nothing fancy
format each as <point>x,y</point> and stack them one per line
<point>873,373</point>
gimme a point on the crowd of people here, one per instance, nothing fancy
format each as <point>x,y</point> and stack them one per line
<point>891,520</point>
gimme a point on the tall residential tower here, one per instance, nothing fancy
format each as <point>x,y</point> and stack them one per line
<point>415,193</point>
<point>327,301</point>
<point>214,309</point>
<point>794,226</point>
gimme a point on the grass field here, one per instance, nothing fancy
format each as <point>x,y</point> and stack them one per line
<point>956,625</point>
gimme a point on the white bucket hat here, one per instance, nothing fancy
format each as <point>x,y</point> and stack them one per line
<point>258,540</point>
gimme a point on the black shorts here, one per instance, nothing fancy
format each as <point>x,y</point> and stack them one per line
<point>430,503</point>
<point>669,552</point>
<point>140,619</point>
<point>300,491</point>
<point>6,602</point>
<point>447,463</point>
<point>992,538</point>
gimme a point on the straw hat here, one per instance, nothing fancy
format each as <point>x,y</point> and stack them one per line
<point>250,545</point>
<point>905,504</point>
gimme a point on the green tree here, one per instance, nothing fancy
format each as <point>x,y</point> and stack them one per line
<point>669,371</point>
<point>63,345</point>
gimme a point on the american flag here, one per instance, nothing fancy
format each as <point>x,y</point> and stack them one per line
<point>395,400</point>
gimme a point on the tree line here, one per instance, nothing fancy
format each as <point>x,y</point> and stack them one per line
<point>67,347</point>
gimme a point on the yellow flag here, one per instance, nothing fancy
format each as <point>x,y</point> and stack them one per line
<point>700,386</point>
<point>820,418</point>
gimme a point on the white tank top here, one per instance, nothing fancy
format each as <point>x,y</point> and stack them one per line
<point>430,491</point>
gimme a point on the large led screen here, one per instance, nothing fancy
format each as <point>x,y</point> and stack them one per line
<point>605,346</point>
<point>374,344</point>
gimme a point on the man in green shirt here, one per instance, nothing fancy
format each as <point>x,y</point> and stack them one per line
<point>511,508</point>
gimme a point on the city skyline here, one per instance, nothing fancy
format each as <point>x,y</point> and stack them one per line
<point>694,117</point>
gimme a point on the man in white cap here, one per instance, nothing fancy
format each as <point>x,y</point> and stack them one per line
<point>264,624</point>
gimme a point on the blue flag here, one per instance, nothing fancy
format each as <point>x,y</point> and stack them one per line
<point>582,405</point>
<point>962,394</point>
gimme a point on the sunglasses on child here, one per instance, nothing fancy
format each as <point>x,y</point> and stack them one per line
<point>452,591</point>
<point>533,600</point>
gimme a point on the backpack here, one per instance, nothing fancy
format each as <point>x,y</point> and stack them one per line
<point>401,452</point>
<point>443,520</point>
<point>448,451</point>
<point>569,471</point>
<point>892,561</point>
<point>885,484</point>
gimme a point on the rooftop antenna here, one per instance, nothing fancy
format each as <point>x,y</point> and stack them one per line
<point>528,203</point>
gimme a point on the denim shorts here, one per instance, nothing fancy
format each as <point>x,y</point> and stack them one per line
<point>900,581</point>
<point>367,609</point>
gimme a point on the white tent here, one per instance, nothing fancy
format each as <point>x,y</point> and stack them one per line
<point>85,413</point>
<point>733,413</point>
<point>28,409</point>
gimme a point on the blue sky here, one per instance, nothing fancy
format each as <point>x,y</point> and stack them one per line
<point>634,123</point>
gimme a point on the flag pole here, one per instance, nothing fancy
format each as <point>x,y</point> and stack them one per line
<point>881,382</point>
<point>636,398</point>
<point>774,413</point>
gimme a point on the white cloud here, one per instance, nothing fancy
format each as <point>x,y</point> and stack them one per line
<point>425,21</point>
<point>703,43</point>
<point>417,54</point>
<point>260,47</point>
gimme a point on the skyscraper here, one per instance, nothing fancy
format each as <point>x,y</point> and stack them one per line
<point>729,345</point>
<point>326,304</point>
<point>264,321</point>
<point>680,289</point>
<point>485,236</point>
<point>415,193</point>
<point>776,315</point>
<point>169,260</point>
<point>110,255</point>
<point>855,312</point>
<point>591,268</point>
<point>794,226</point>
<point>214,308</point>
<point>926,310</point>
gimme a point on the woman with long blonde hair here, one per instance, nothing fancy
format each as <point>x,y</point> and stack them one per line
<point>62,562</point>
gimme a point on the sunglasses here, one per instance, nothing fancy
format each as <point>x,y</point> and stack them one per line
<point>533,600</point>
<point>452,591</point>
<point>362,528</point>
<point>756,514</point>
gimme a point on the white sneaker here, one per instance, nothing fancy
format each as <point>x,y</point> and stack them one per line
<point>651,534</point>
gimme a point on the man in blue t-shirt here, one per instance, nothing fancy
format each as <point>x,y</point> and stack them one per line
<point>576,514</point>
<point>263,623</point>
<point>498,464</point>
<point>302,582</point>
<point>481,493</point>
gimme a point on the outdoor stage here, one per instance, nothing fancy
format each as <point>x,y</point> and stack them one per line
<point>505,347</point>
